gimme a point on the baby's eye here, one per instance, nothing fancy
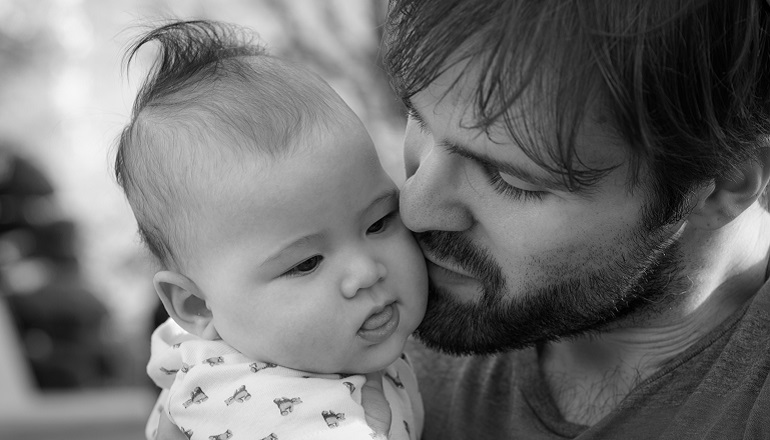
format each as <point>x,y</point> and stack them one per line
<point>381,224</point>
<point>305,267</point>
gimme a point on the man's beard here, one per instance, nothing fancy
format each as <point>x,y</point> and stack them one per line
<point>628,284</point>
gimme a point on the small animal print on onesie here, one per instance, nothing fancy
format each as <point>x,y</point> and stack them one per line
<point>332,419</point>
<point>196,396</point>
<point>216,360</point>
<point>241,395</point>
<point>256,367</point>
<point>286,405</point>
<point>223,436</point>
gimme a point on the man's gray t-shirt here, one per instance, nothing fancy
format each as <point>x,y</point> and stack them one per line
<point>717,389</point>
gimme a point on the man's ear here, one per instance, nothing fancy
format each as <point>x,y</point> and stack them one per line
<point>185,304</point>
<point>729,195</point>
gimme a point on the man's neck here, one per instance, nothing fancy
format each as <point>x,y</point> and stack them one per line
<point>589,376</point>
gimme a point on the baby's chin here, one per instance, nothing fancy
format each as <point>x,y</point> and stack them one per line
<point>363,361</point>
<point>378,357</point>
<point>361,358</point>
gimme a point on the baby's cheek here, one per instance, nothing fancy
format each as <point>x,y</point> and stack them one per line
<point>321,350</point>
<point>319,335</point>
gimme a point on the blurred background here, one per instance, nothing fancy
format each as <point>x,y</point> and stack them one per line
<point>76,300</point>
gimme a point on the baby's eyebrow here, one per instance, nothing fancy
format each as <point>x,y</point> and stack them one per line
<point>388,197</point>
<point>303,241</point>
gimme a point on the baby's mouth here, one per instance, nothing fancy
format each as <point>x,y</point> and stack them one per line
<point>380,325</point>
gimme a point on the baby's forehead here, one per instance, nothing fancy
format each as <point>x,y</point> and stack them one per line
<point>215,129</point>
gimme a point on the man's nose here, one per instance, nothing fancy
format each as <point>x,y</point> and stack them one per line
<point>431,198</point>
<point>363,272</point>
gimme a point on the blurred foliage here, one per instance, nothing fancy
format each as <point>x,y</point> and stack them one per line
<point>58,319</point>
<point>63,101</point>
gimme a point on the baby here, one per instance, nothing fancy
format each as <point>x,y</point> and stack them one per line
<point>285,267</point>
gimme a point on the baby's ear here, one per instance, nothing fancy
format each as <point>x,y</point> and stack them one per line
<point>185,303</point>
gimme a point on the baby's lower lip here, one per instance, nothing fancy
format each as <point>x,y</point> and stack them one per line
<point>380,326</point>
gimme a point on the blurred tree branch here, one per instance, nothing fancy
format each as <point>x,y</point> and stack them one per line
<point>345,56</point>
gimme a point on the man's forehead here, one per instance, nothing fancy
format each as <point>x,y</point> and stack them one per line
<point>527,126</point>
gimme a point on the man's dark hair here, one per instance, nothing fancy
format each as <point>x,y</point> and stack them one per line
<point>211,93</point>
<point>685,83</point>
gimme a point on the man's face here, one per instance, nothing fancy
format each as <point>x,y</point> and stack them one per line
<point>513,257</point>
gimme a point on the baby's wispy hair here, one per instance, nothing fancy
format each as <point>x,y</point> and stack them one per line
<point>211,92</point>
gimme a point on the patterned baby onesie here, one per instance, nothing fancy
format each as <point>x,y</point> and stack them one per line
<point>216,393</point>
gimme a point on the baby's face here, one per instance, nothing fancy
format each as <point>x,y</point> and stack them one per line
<point>305,262</point>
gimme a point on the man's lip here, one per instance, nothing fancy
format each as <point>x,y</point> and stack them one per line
<point>452,268</point>
<point>440,275</point>
<point>380,324</point>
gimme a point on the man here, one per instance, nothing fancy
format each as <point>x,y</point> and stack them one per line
<point>588,183</point>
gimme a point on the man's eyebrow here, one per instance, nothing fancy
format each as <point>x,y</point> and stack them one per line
<point>553,184</point>
<point>505,167</point>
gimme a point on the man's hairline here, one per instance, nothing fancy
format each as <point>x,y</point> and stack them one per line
<point>524,171</point>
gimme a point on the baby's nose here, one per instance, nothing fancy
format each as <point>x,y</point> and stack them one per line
<point>363,274</point>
